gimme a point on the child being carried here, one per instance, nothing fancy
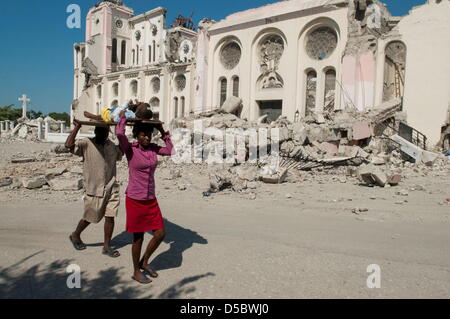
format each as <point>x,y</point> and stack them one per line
<point>138,111</point>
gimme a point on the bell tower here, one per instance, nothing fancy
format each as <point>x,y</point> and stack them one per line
<point>105,22</point>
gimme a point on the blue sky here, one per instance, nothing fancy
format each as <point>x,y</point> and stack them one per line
<point>36,51</point>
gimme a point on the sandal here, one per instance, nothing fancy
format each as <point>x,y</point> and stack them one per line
<point>111,253</point>
<point>142,282</point>
<point>150,272</point>
<point>78,245</point>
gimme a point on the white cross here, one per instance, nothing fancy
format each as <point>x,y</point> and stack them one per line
<point>24,101</point>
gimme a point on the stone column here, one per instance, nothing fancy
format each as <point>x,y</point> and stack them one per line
<point>8,124</point>
<point>62,125</point>
<point>141,87</point>
<point>47,128</point>
<point>2,123</point>
<point>40,132</point>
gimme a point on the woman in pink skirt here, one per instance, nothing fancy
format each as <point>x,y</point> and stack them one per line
<point>143,213</point>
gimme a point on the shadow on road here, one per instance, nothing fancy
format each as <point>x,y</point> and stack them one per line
<point>50,281</point>
<point>180,239</point>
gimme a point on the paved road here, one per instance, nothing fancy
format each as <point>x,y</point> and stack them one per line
<point>214,250</point>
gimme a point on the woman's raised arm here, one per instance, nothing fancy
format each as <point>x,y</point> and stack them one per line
<point>168,150</point>
<point>125,145</point>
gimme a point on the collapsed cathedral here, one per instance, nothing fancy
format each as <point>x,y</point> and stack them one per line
<point>294,58</point>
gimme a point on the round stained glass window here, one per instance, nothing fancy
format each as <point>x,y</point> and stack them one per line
<point>230,55</point>
<point>180,81</point>
<point>321,43</point>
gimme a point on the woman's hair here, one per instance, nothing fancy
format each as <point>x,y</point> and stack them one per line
<point>142,128</point>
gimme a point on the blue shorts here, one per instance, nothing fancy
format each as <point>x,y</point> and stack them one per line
<point>115,113</point>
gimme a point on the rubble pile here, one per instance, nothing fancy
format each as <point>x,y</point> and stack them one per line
<point>343,146</point>
<point>46,172</point>
<point>27,130</point>
<point>350,144</point>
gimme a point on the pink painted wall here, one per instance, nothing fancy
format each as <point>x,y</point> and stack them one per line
<point>358,80</point>
<point>88,26</point>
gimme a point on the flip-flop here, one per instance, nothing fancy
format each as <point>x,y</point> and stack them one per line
<point>111,253</point>
<point>150,272</point>
<point>142,282</point>
<point>78,245</point>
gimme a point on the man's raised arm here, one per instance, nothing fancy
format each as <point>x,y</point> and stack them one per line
<point>70,142</point>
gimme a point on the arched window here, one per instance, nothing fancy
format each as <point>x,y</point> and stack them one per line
<point>330,89</point>
<point>180,82</point>
<point>114,51</point>
<point>134,56</point>
<point>311,88</point>
<point>154,51</point>
<point>134,87</point>
<point>115,89</point>
<point>156,85</point>
<point>123,52</point>
<point>137,54</point>
<point>149,53</point>
<point>175,107</point>
<point>236,86</point>
<point>223,90</point>
<point>394,71</point>
<point>183,106</point>
<point>154,103</point>
<point>99,91</point>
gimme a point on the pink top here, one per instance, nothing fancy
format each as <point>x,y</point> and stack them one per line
<point>142,163</point>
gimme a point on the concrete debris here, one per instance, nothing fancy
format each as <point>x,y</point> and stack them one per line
<point>373,175</point>
<point>418,154</point>
<point>221,180</point>
<point>271,175</point>
<point>34,130</point>
<point>428,158</point>
<point>232,105</point>
<point>76,170</point>
<point>402,192</point>
<point>53,172</point>
<point>252,185</point>
<point>23,131</point>
<point>248,173</point>
<point>385,111</point>
<point>6,181</point>
<point>34,182</point>
<point>65,184</point>
<point>394,180</point>
<point>23,160</point>
<point>61,149</point>
<point>16,183</point>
